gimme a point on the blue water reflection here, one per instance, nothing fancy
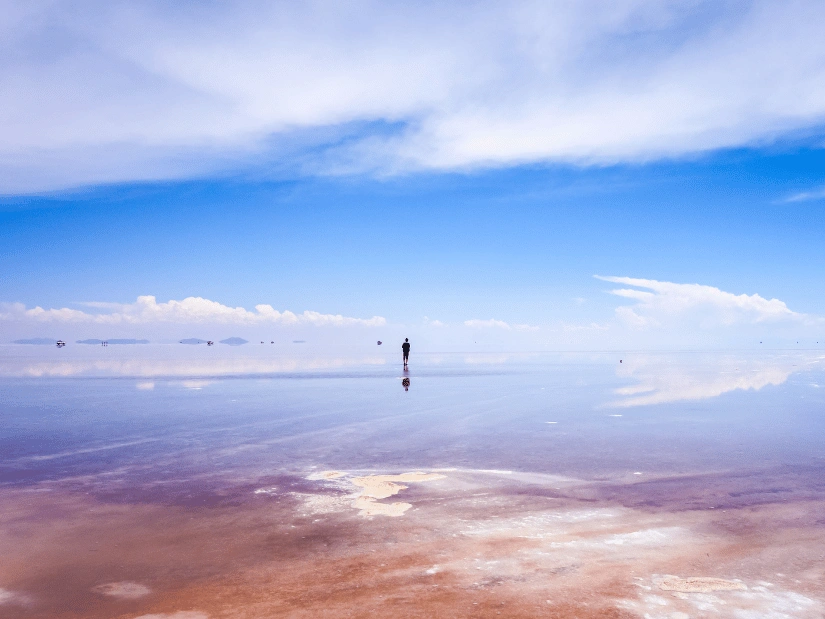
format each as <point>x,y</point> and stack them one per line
<point>165,415</point>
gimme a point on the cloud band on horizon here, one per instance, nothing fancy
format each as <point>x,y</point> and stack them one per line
<point>191,310</point>
<point>659,303</point>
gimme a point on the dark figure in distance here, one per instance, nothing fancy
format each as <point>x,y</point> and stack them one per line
<point>406,348</point>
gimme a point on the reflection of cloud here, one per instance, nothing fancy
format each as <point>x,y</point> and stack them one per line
<point>487,359</point>
<point>182,367</point>
<point>196,384</point>
<point>146,310</point>
<point>660,381</point>
<point>146,385</point>
<point>496,358</point>
<point>660,302</point>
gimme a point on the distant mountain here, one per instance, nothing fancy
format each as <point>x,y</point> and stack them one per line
<point>38,341</point>
<point>234,341</point>
<point>193,340</point>
<point>121,341</point>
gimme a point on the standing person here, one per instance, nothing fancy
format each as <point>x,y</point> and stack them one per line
<point>406,348</point>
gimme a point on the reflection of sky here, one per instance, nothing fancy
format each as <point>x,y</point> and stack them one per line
<point>178,415</point>
<point>165,361</point>
<point>659,379</point>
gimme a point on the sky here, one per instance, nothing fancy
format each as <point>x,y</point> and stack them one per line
<point>519,176</point>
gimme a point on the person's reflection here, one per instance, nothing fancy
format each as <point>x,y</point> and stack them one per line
<point>405,382</point>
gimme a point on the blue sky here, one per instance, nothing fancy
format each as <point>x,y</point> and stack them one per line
<point>384,161</point>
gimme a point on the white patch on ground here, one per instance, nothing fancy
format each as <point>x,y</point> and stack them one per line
<point>146,386</point>
<point>326,475</point>
<point>12,597</point>
<point>541,526</point>
<point>324,503</point>
<point>124,590</point>
<point>367,506</point>
<point>651,538</point>
<point>722,598</point>
<point>564,544</point>
<point>268,491</point>
<point>376,487</point>
<point>698,584</point>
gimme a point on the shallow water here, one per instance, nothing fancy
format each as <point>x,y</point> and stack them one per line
<point>168,446</point>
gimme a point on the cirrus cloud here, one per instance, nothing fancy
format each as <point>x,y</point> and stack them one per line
<point>121,91</point>
<point>806,196</point>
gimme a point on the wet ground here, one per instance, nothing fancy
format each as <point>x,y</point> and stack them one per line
<point>183,484</point>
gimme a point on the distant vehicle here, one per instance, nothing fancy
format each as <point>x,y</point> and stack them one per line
<point>380,342</point>
<point>60,343</point>
<point>209,343</point>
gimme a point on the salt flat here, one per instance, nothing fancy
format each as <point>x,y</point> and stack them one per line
<point>312,489</point>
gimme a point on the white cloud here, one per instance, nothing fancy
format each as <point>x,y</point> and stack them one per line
<point>117,91</point>
<point>807,196</point>
<point>476,323</point>
<point>593,326</point>
<point>662,303</point>
<point>191,310</point>
<point>492,323</point>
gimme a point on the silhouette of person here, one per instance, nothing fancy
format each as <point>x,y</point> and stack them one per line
<point>405,347</point>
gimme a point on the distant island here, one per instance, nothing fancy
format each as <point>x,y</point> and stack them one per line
<point>120,341</point>
<point>234,341</point>
<point>38,341</point>
<point>193,340</point>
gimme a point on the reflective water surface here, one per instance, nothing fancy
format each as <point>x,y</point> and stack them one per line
<point>191,482</point>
